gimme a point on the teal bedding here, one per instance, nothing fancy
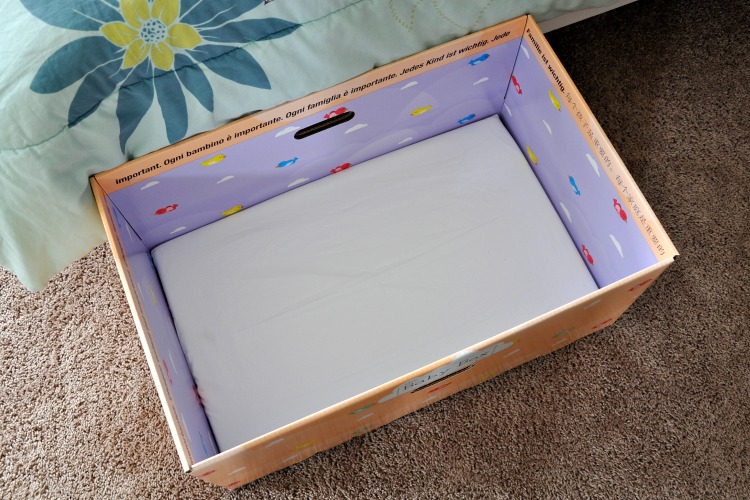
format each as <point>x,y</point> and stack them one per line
<point>89,84</point>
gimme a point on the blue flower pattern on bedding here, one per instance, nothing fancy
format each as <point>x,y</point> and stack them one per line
<point>151,49</point>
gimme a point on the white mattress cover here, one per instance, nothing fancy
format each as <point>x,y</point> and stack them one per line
<point>344,284</point>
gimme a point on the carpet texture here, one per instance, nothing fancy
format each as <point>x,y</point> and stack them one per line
<point>657,405</point>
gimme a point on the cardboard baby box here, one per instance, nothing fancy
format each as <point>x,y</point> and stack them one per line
<point>307,274</point>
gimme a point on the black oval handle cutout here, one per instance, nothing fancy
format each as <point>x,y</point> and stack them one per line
<point>324,125</point>
<point>442,378</point>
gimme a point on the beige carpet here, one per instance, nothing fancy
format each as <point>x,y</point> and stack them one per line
<point>657,405</point>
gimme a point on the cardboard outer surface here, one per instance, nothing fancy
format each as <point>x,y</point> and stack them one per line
<point>351,418</point>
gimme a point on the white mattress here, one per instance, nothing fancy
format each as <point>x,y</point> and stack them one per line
<point>344,284</point>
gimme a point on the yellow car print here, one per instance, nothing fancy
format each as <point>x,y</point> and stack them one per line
<point>232,210</point>
<point>554,100</point>
<point>531,155</point>
<point>213,161</point>
<point>420,111</point>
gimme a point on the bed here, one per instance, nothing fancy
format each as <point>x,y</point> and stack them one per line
<point>90,84</point>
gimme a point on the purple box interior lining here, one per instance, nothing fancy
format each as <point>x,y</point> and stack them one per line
<point>169,359</point>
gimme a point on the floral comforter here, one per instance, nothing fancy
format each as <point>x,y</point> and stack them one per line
<point>89,84</point>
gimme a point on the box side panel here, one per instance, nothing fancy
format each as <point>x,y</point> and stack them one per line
<point>613,227</point>
<point>384,404</point>
<point>392,107</point>
<point>174,382</point>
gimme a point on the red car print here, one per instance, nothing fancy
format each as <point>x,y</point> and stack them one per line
<point>587,254</point>
<point>620,210</point>
<point>168,208</point>
<point>197,396</point>
<point>440,387</point>
<point>603,323</point>
<point>335,112</point>
<point>516,84</point>
<point>640,285</point>
<point>341,168</point>
<point>169,375</point>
